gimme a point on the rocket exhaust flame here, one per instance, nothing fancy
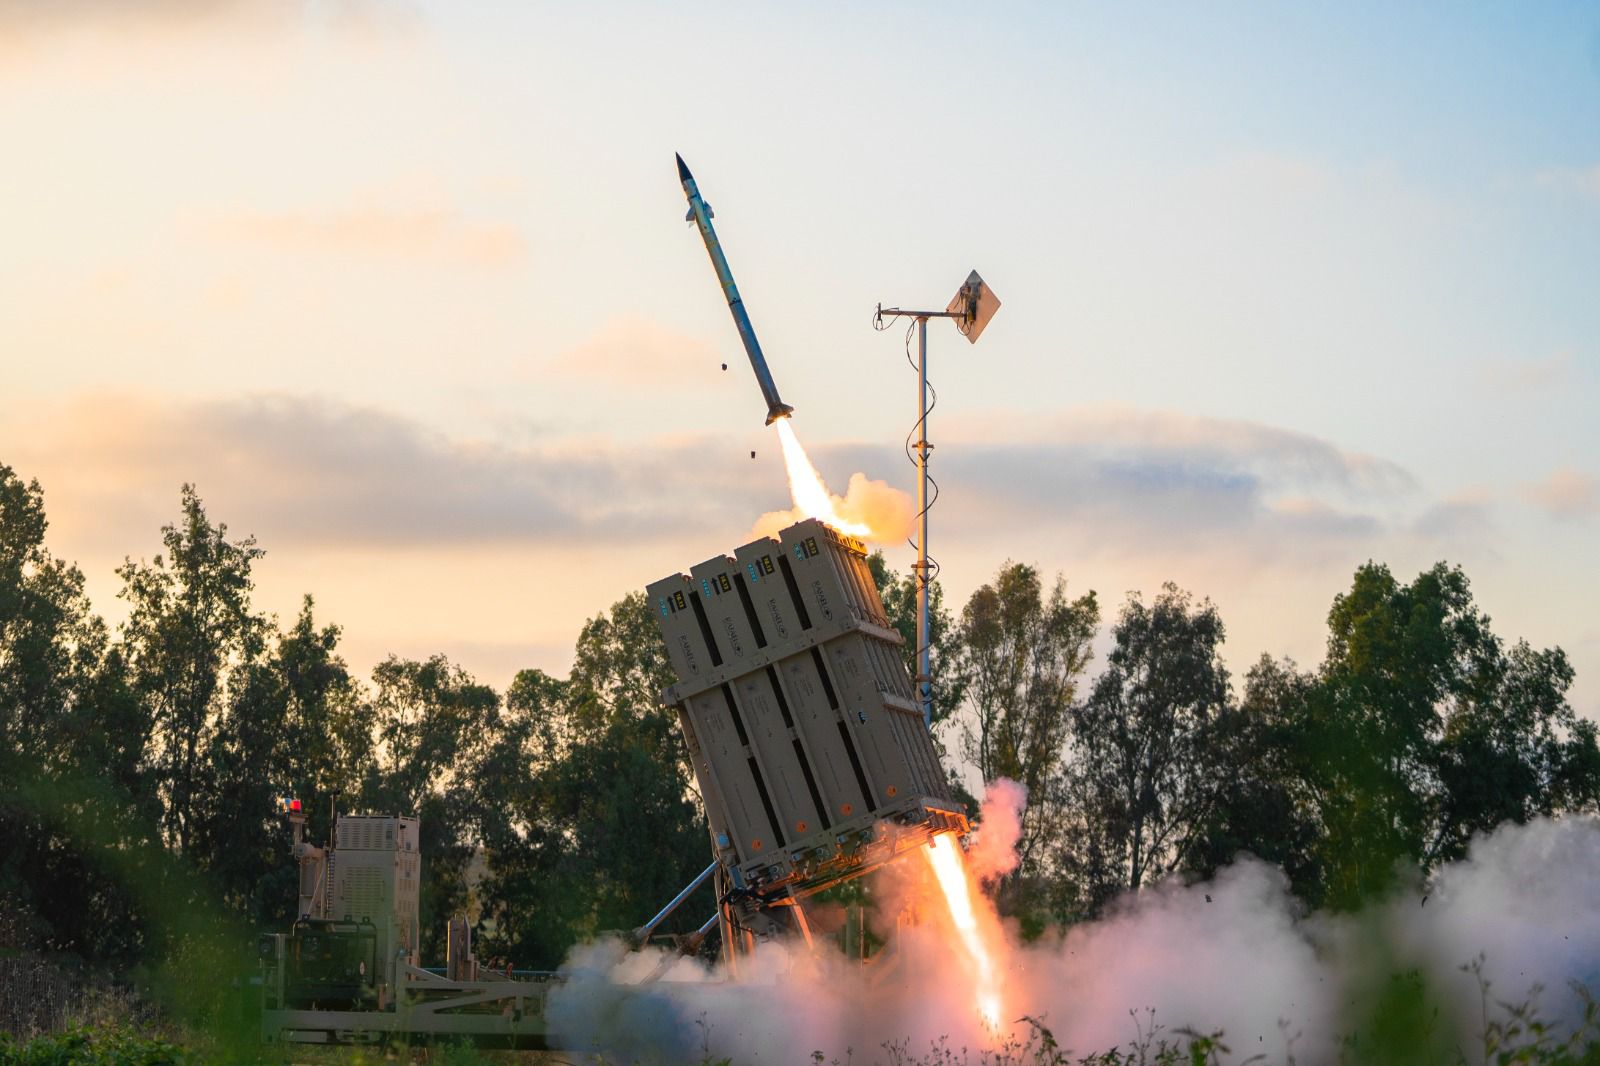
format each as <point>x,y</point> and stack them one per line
<point>944,855</point>
<point>806,488</point>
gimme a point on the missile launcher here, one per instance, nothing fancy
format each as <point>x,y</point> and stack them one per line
<point>808,745</point>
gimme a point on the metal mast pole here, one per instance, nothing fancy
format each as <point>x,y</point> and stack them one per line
<point>973,306</point>
<point>924,634</point>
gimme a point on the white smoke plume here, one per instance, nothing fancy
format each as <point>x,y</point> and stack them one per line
<point>1236,953</point>
<point>993,850</point>
<point>1528,899</point>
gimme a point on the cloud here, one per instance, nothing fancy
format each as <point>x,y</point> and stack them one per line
<point>1566,493</point>
<point>106,40</point>
<point>1529,375</point>
<point>184,16</point>
<point>1318,517</point>
<point>427,231</point>
<point>1460,515</point>
<point>1279,458</point>
<point>37,15</point>
<point>1134,481</point>
<point>640,351</point>
<point>320,472</point>
<point>1582,181</point>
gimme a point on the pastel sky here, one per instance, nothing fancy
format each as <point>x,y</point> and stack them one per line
<point>407,292</point>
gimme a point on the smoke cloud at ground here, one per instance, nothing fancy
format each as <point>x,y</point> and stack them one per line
<point>1236,953</point>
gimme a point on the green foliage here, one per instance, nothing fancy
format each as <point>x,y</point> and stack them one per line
<point>317,726</point>
<point>95,1047</point>
<point>1523,1036</point>
<point>1395,653</point>
<point>1420,730</point>
<point>139,775</point>
<point>138,769</point>
<point>1020,653</point>
<point>190,633</point>
<point>1502,754</point>
<point>899,595</point>
<point>1576,786</point>
<point>1256,748</point>
<point>1144,772</point>
<point>433,724</point>
<point>49,642</point>
<point>619,671</point>
<point>603,826</point>
<point>1403,1030</point>
<point>72,752</point>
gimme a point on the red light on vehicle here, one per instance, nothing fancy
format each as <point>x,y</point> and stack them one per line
<point>294,805</point>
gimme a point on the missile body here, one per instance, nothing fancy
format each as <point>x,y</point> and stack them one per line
<point>700,215</point>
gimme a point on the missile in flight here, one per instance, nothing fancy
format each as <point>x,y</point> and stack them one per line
<point>700,215</point>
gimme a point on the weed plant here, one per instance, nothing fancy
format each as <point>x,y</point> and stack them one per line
<point>106,1032</point>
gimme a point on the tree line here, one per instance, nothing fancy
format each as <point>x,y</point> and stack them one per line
<point>1419,729</point>
<point>139,769</point>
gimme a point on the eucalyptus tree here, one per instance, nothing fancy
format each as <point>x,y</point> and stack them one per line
<point>189,639</point>
<point>1144,768</point>
<point>1020,654</point>
<point>899,595</point>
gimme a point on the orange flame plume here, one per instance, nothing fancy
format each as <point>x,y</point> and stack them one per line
<point>806,488</point>
<point>944,855</point>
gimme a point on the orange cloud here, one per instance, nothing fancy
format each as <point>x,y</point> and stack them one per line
<point>104,39</point>
<point>1566,493</point>
<point>631,348</point>
<point>417,232</point>
<point>1526,375</point>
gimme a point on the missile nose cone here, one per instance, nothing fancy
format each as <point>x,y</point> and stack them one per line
<point>683,169</point>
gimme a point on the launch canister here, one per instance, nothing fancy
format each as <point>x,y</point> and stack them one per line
<point>700,215</point>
